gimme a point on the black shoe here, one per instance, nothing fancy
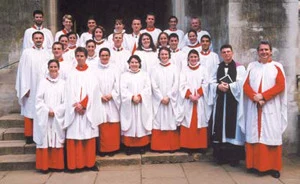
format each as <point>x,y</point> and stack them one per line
<point>101,154</point>
<point>44,171</point>
<point>128,151</point>
<point>94,168</point>
<point>234,163</point>
<point>275,174</point>
<point>251,170</point>
<point>142,151</point>
<point>111,154</point>
<point>29,140</point>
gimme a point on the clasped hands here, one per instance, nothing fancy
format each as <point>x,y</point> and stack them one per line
<point>223,86</point>
<point>165,100</point>
<point>136,99</point>
<point>258,97</point>
<point>106,98</point>
<point>79,108</point>
<point>194,98</point>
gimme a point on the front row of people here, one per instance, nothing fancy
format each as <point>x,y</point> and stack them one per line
<point>173,108</point>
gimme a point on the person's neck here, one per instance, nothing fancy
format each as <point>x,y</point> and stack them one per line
<point>227,61</point>
<point>91,54</point>
<point>136,32</point>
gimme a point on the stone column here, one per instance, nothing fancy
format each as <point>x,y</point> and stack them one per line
<point>178,9</point>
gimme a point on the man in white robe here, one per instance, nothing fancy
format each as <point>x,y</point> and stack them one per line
<point>91,24</point>
<point>178,57</point>
<point>38,19</point>
<point>173,21</point>
<point>150,28</point>
<point>32,67</point>
<point>133,38</point>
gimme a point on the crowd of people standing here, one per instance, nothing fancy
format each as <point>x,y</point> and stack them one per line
<point>163,90</point>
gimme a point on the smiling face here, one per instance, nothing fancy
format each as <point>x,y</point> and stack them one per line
<point>192,37</point>
<point>57,51</point>
<point>172,23</point>
<point>195,24</point>
<point>118,39</point>
<point>119,27</point>
<point>146,41</point>
<point>227,55</point>
<point>53,70</point>
<point>38,19</point>
<point>72,39</point>
<point>164,56</point>
<point>264,53</point>
<point>150,20</point>
<point>136,25</point>
<point>38,40</point>
<point>173,42</point>
<point>104,57</point>
<point>98,34</point>
<point>163,40</point>
<point>90,47</point>
<point>205,42</point>
<point>91,24</point>
<point>68,24</point>
<point>81,58</point>
<point>193,59</point>
<point>134,65</point>
<point>64,40</point>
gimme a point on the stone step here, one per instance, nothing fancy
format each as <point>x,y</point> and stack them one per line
<point>17,162</point>
<point>16,147</point>
<point>13,134</point>
<point>12,121</point>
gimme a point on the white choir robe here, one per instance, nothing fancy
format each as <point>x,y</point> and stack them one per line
<point>79,85</point>
<point>120,58</point>
<point>28,42</point>
<point>108,77</point>
<point>100,45</point>
<point>64,32</point>
<point>32,67</point>
<point>65,67</point>
<point>136,119</point>
<point>93,61</point>
<point>186,40</point>
<point>211,62</point>
<point>192,80</point>
<point>85,37</point>
<point>179,58</point>
<point>154,34</point>
<point>179,32</point>
<point>236,89</point>
<point>165,83</point>
<point>48,131</point>
<point>133,40</point>
<point>125,43</point>
<point>274,112</point>
<point>197,46</point>
<point>149,59</point>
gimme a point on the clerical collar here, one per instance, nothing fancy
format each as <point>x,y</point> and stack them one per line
<point>99,42</point>
<point>173,51</point>
<point>82,68</point>
<point>205,53</point>
<point>92,57</point>
<point>131,71</point>
<point>147,50</point>
<point>37,27</point>
<point>150,29</point>
<point>165,64</point>
<point>118,49</point>
<point>103,65</point>
<point>197,44</point>
<point>194,67</point>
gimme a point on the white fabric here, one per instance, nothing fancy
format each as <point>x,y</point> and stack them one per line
<point>192,80</point>
<point>136,119</point>
<point>120,58</point>
<point>48,131</point>
<point>211,62</point>
<point>132,39</point>
<point>108,77</point>
<point>65,67</point>
<point>154,34</point>
<point>32,67</point>
<point>236,89</point>
<point>165,83</point>
<point>100,46</point>
<point>59,33</point>
<point>187,49</point>
<point>125,43</point>
<point>149,59</point>
<point>186,40</point>
<point>179,32</point>
<point>93,61</point>
<point>85,37</point>
<point>79,85</point>
<point>28,42</point>
<point>179,58</point>
<point>274,112</point>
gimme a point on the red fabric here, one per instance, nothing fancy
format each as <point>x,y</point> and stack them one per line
<point>136,141</point>
<point>248,89</point>
<point>82,68</point>
<point>187,94</point>
<point>277,88</point>
<point>200,91</point>
<point>193,137</point>
<point>134,49</point>
<point>47,158</point>
<point>165,140</point>
<point>263,157</point>
<point>84,102</point>
<point>28,127</point>
<point>109,135</point>
<point>81,153</point>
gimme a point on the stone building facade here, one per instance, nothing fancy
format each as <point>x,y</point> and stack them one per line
<point>242,23</point>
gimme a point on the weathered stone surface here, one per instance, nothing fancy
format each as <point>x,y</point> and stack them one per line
<point>12,121</point>
<point>17,162</point>
<point>14,134</point>
<point>119,159</point>
<point>12,147</point>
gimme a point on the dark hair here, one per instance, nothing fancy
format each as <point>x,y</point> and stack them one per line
<point>53,61</point>
<point>206,36</point>
<point>72,33</point>
<point>173,35</point>
<point>172,17</point>
<point>166,49</point>
<point>37,12</point>
<point>151,14</point>
<point>104,49</point>
<point>90,41</point>
<point>161,33</point>
<point>226,46</point>
<point>81,49</point>
<point>61,36</point>
<point>190,31</point>
<point>91,18</point>
<point>58,43</point>
<point>193,51</point>
<point>137,58</point>
<point>264,42</point>
<point>152,46</point>
<point>102,29</point>
<point>137,18</point>
<point>37,32</point>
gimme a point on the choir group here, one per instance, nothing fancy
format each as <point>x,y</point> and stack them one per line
<point>163,90</point>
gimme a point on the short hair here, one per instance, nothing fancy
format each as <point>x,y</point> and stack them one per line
<point>161,33</point>
<point>37,32</point>
<point>166,49</point>
<point>226,46</point>
<point>264,42</point>
<point>67,16</point>
<point>58,43</point>
<point>90,41</point>
<point>137,58</point>
<point>53,61</point>
<point>206,36</point>
<point>173,35</point>
<point>40,12</point>
<point>81,49</point>
<point>104,49</point>
<point>152,46</point>
<point>72,33</point>
<point>102,29</point>
<point>137,18</point>
<point>117,34</point>
<point>196,17</point>
<point>150,14</point>
<point>193,51</point>
<point>120,21</point>
<point>191,30</point>
<point>61,36</point>
<point>172,17</point>
<point>91,18</point>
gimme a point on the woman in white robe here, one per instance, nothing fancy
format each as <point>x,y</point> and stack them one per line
<point>99,38</point>
<point>165,89</point>
<point>49,135</point>
<point>108,76</point>
<point>193,42</point>
<point>135,110</point>
<point>194,92</point>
